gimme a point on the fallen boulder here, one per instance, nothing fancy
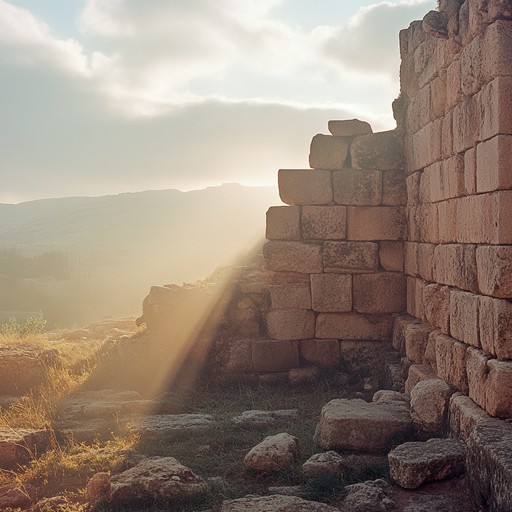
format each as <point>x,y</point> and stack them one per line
<point>366,496</point>
<point>276,452</point>
<point>19,446</point>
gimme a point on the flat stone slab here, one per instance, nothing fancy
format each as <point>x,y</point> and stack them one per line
<point>361,426</point>
<point>19,446</point>
<point>276,503</point>
<point>415,463</point>
<point>171,424</point>
<point>258,419</point>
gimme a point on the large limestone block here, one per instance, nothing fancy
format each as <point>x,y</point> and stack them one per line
<point>495,102</point>
<point>391,256</point>
<point>494,265</point>
<point>293,257</point>
<point>489,464</point>
<point>375,223</point>
<point>436,304</point>
<point>418,373</point>
<point>451,361</point>
<point>456,265</point>
<point>350,257</point>
<point>158,427</point>
<point>291,324</point>
<point>463,415</point>
<point>322,464</point>
<point>292,296</point>
<point>305,186</point>
<point>477,372</point>
<point>321,353</point>
<point>283,223</point>
<point>464,317</point>
<point>377,151</point>
<point>274,355</point>
<point>349,128</point>
<point>394,191</point>
<point>495,319</point>
<point>357,187</point>
<point>278,452</point>
<point>156,479</point>
<point>18,446</point>
<point>351,326</point>
<point>493,159</point>
<point>276,503</point>
<point>328,152</point>
<point>324,222</point>
<point>416,340</point>
<point>369,495</point>
<point>331,293</point>
<point>361,426</point>
<point>499,389</point>
<point>429,405</point>
<point>415,463</point>
<point>383,292</point>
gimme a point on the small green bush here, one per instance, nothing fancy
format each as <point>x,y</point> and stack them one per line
<point>18,330</point>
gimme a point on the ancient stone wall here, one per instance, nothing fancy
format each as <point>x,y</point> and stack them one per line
<point>456,107</point>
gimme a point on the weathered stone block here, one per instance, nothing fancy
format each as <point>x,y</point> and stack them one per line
<point>328,152</point>
<point>411,258</point>
<point>293,324</point>
<point>363,360</point>
<point>304,186</point>
<point>419,310</point>
<point>499,389</point>
<point>455,265</point>
<point>394,190</point>
<point>494,264</point>
<point>378,151</point>
<point>321,353</point>
<point>436,304</point>
<point>470,171</point>
<point>331,293</point>
<point>357,187</point>
<point>465,126</point>
<point>293,257</point>
<point>391,256</point>
<point>425,259</point>
<point>384,292</point>
<point>416,339</point>
<point>418,373</point>
<point>412,184</point>
<point>495,105</point>
<point>350,256</point>
<point>351,425</point>
<point>464,415</point>
<point>289,279</point>
<point>476,368</point>
<point>324,222</point>
<point>451,361</point>
<point>375,223</point>
<point>448,214</point>
<point>18,446</point>
<point>453,89</point>
<point>493,157</point>
<point>351,326</point>
<point>293,296</point>
<point>411,296</point>
<point>464,317</point>
<point>495,321</point>
<point>399,326</point>
<point>349,128</point>
<point>274,356</point>
<point>283,223</point>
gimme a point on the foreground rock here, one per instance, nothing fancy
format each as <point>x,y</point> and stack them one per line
<point>429,405</point>
<point>322,464</point>
<point>259,419</point>
<point>19,446</point>
<point>159,426</point>
<point>413,464</point>
<point>23,368</point>
<point>160,479</point>
<point>275,503</point>
<point>362,426</point>
<point>367,496</point>
<point>273,453</point>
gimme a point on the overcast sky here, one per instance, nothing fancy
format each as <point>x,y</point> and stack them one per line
<point>106,96</point>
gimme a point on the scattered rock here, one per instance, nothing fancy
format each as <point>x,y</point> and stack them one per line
<point>276,503</point>
<point>98,488</point>
<point>368,496</point>
<point>156,479</point>
<point>13,498</point>
<point>258,419</point>
<point>18,446</point>
<point>414,463</point>
<point>156,427</point>
<point>321,464</point>
<point>388,395</point>
<point>429,405</point>
<point>273,453</point>
<point>362,426</point>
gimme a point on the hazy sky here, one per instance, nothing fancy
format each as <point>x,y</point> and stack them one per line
<point>107,96</point>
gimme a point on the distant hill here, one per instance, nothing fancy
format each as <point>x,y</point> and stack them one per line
<point>116,247</point>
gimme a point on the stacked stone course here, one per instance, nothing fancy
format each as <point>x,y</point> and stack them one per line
<point>456,79</point>
<point>336,250</point>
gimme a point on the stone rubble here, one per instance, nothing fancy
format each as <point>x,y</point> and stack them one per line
<point>274,453</point>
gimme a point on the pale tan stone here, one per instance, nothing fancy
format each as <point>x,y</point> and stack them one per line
<point>448,214</point>
<point>425,261</point>
<point>411,258</point>
<point>349,128</point>
<point>429,405</point>
<point>375,223</point>
<point>470,171</point>
<point>357,187</point>
<point>464,415</point>
<point>411,295</point>
<point>493,157</point>
<point>418,373</point>
<point>412,183</point>
<point>292,324</point>
<point>277,452</point>
<point>455,265</point>
<point>494,264</point>
<point>331,293</point>
<point>377,151</point>
<point>430,352</point>
<point>391,255</point>
<point>428,219</point>
<point>328,152</point>
<point>416,339</point>
<point>324,222</point>
<point>383,292</point>
<point>436,304</point>
<point>350,326</point>
<point>464,317</point>
<point>453,88</point>
<point>499,389</point>
<point>419,311</point>
<point>305,187</point>
<point>293,257</point>
<point>447,136</point>
<point>283,223</point>
<point>296,296</point>
<point>322,353</point>
<point>451,361</point>
<point>477,371</point>
<point>394,190</point>
<point>465,127</point>
<point>495,321</point>
<point>399,326</point>
<point>274,355</point>
<point>350,256</point>
<point>495,105</point>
